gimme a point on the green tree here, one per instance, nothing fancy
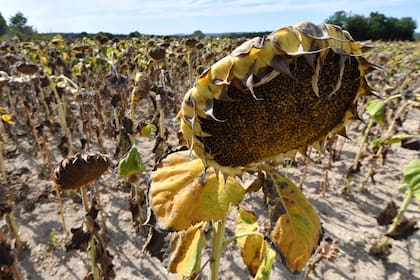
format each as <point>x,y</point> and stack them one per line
<point>376,27</point>
<point>18,21</point>
<point>338,18</point>
<point>357,26</point>
<point>3,25</point>
<point>19,28</point>
<point>198,34</point>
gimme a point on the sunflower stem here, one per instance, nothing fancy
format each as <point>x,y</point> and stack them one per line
<point>217,249</point>
<point>378,153</point>
<point>2,167</point>
<point>358,155</point>
<point>61,210</point>
<point>13,226</point>
<point>85,199</point>
<point>132,116</point>
<point>89,225</point>
<point>397,218</point>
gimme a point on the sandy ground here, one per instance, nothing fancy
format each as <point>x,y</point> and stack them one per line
<point>348,218</point>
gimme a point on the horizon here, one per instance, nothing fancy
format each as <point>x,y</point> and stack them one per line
<point>161,17</point>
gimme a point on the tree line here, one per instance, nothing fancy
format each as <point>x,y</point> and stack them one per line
<point>376,26</point>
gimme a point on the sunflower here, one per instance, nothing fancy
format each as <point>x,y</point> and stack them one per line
<point>275,96</point>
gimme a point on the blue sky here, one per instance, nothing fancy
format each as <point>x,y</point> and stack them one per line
<point>185,16</point>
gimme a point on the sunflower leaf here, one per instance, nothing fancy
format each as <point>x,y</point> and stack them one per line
<point>186,252</point>
<point>131,163</point>
<point>256,253</point>
<point>296,227</point>
<point>376,109</point>
<point>182,193</point>
<point>411,181</point>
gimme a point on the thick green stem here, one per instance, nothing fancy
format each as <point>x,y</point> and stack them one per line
<point>92,251</point>
<point>397,218</point>
<point>217,249</point>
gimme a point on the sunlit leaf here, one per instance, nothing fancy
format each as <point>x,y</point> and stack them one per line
<point>131,163</point>
<point>392,140</point>
<point>8,118</point>
<point>44,60</point>
<point>256,253</point>
<point>296,226</point>
<point>147,130</point>
<point>186,247</point>
<point>376,109</point>
<point>182,193</point>
<point>411,181</point>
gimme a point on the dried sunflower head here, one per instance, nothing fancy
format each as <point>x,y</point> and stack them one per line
<point>80,169</point>
<point>274,96</point>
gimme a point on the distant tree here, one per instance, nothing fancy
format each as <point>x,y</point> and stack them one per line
<point>134,34</point>
<point>198,34</point>
<point>358,27</point>
<point>376,27</point>
<point>18,21</point>
<point>338,18</point>
<point>3,25</point>
<point>19,28</point>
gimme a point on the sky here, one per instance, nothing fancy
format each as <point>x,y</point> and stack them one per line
<point>162,17</point>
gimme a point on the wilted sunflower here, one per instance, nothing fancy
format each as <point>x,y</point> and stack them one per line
<point>274,96</point>
<point>80,169</point>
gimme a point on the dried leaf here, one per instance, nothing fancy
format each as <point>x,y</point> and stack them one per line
<point>403,230</point>
<point>6,254</point>
<point>183,194</point>
<point>157,244</point>
<point>104,260</point>
<point>186,247</point>
<point>79,239</point>
<point>79,170</point>
<point>256,252</point>
<point>388,214</point>
<point>296,226</point>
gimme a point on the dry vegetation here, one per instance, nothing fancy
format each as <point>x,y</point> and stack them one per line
<point>101,97</point>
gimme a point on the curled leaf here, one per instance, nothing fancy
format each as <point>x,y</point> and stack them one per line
<point>182,193</point>
<point>376,109</point>
<point>7,118</point>
<point>147,130</point>
<point>296,226</point>
<point>411,181</point>
<point>131,163</point>
<point>186,249</point>
<point>256,253</point>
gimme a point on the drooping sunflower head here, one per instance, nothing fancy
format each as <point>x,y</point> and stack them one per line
<point>274,96</point>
